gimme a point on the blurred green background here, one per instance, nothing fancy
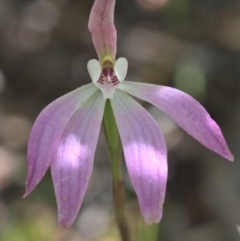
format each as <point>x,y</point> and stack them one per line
<point>193,45</point>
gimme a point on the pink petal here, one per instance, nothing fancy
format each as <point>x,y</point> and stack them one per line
<point>145,154</point>
<point>74,160</point>
<point>186,111</point>
<point>47,131</point>
<point>101,25</point>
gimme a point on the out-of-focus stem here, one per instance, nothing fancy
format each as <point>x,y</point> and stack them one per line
<point>114,144</point>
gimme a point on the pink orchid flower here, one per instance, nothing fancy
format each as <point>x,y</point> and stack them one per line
<point>65,134</point>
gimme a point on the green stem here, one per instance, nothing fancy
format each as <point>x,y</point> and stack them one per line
<point>114,144</point>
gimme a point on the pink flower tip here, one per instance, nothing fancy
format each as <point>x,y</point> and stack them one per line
<point>101,25</point>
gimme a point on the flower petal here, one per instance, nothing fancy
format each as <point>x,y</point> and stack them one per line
<point>145,154</point>
<point>101,25</point>
<point>186,111</point>
<point>94,69</point>
<point>120,68</point>
<point>74,160</point>
<point>47,131</point>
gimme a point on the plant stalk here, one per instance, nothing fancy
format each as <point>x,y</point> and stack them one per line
<point>114,144</point>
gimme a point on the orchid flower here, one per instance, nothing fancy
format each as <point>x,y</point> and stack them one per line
<point>65,134</point>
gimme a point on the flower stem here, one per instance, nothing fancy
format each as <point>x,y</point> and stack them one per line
<point>114,144</point>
